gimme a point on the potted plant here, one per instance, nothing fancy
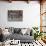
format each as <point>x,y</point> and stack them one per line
<point>37,33</point>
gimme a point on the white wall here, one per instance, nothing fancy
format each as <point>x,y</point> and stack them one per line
<point>31,14</point>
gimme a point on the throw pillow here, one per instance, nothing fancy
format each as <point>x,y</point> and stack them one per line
<point>17,30</point>
<point>28,31</point>
<point>23,31</point>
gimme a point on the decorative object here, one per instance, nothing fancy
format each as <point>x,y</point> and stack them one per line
<point>15,15</point>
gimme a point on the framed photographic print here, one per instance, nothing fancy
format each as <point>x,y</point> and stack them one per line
<point>15,15</point>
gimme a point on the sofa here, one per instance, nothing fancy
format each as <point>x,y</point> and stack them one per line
<point>17,34</point>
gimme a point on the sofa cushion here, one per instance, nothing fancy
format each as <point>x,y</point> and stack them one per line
<point>11,30</point>
<point>17,30</point>
<point>23,31</point>
<point>28,31</point>
<point>22,38</point>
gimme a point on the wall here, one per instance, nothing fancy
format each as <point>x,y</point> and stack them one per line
<point>31,14</point>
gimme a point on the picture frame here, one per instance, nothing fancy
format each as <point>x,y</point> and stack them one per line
<point>15,15</point>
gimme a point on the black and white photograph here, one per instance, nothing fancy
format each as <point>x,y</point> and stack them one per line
<point>15,15</point>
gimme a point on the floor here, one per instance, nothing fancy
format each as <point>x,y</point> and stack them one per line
<point>35,43</point>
